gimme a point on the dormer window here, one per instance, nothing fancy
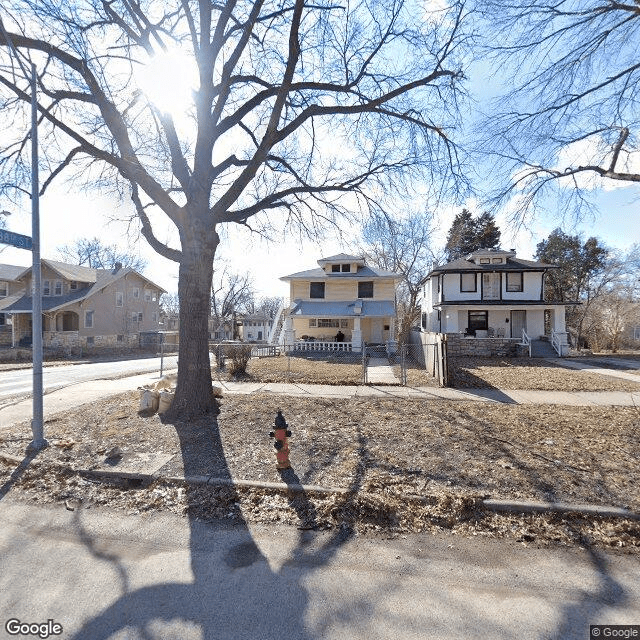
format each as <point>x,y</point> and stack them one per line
<point>496,260</point>
<point>485,261</point>
<point>346,268</point>
<point>335,268</point>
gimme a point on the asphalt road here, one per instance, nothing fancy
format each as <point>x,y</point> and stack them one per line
<point>19,382</point>
<point>102,574</point>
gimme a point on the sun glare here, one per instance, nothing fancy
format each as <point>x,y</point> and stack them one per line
<point>168,80</point>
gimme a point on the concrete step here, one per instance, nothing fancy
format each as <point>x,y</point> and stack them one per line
<point>542,349</point>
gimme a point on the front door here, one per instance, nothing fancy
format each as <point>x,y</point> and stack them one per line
<point>491,286</point>
<point>377,325</point>
<point>518,323</point>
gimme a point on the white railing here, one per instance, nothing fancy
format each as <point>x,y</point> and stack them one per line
<point>278,321</point>
<point>317,345</point>
<point>559,341</point>
<point>526,341</point>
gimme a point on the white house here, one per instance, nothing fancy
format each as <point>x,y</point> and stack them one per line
<point>256,327</point>
<point>341,304</point>
<point>493,294</point>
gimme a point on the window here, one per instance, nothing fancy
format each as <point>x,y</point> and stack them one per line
<point>313,323</point>
<point>119,299</point>
<point>136,293</point>
<point>514,281</point>
<point>346,268</point>
<point>147,295</point>
<point>365,289</point>
<point>478,320</point>
<point>496,260</point>
<point>344,324</point>
<point>335,268</point>
<point>46,287</point>
<point>485,261</point>
<point>316,290</point>
<point>134,316</point>
<point>140,317</point>
<point>120,338</point>
<point>73,285</point>
<point>328,323</point>
<point>58,288</point>
<point>90,340</point>
<point>468,282</point>
<point>4,289</point>
<point>636,333</point>
<point>88,319</point>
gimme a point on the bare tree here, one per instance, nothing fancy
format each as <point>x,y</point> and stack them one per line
<point>570,116</point>
<point>295,105</point>
<point>231,293</point>
<point>402,245</point>
<point>92,253</point>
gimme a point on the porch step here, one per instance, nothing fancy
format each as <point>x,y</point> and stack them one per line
<point>542,349</point>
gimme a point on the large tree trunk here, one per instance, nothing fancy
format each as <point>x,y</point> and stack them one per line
<point>194,392</point>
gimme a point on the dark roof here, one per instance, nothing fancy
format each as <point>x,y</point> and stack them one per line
<point>504,303</point>
<point>362,272</point>
<point>512,264</point>
<point>341,257</point>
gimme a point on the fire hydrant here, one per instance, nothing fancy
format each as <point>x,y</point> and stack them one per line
<point>281,433</point>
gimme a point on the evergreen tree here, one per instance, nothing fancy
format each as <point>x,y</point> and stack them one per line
<point>467,234</point>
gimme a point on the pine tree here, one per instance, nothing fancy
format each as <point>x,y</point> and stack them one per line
<point>467,234</point>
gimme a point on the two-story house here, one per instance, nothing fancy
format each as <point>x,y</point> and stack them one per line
<point>343,301</point>
<point>492,294</point>
<point>85,307</point>
<point>255,327</point>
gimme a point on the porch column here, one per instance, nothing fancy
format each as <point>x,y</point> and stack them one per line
<point>289,333</point>
<point>356,335</point>
<point>392,343</point>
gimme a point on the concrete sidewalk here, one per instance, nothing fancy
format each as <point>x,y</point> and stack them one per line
<point>87,392</point>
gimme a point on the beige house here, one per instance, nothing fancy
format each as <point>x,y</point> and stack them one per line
<point>85,307</point>
<point>10,286</point>
<point>340,305</point>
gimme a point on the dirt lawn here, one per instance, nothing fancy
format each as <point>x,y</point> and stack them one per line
<point>409,465</point>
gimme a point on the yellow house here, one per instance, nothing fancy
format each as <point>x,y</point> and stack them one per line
<point>339,305</point>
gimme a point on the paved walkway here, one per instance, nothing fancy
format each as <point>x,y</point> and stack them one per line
<point>584,366</point>
<point>379,371</point>
<point>87,392</point>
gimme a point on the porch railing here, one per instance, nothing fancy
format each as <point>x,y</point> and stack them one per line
<point>558,341</point>
<point>526,341</point>
<point>317,345</point>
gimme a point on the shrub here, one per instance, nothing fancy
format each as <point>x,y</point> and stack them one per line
<point>239,354</point>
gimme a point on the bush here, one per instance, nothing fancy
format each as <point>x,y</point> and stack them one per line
<point>239,354</point>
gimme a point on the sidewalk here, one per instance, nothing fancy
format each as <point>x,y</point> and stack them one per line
<point>86,392</point>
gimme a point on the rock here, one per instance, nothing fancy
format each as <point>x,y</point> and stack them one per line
<point>113,454</point>
<point>217,391</point>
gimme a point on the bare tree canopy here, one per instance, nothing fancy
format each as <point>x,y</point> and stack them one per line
<point>294,105</point>
<point>570,118</point>
<point>403,245</point>
<point>92,253</point>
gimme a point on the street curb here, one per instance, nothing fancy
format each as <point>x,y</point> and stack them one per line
<point>500,506</point>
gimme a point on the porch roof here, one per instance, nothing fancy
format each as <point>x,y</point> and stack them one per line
<point>24,304</point>
<point>343,309</point>
<point>502,303</point>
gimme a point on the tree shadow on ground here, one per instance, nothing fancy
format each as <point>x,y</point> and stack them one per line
<point>17,473</point>
<point>205,603</point>
<point>208,606</point>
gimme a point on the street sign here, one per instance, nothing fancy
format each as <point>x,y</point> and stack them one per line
<point>16,240</point>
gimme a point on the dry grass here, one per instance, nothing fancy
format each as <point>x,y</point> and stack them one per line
<point>332,370</point>
<point>410,464</point>
<point>526,373</point>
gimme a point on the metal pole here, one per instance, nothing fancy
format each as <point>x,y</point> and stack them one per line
<point>37,426</point>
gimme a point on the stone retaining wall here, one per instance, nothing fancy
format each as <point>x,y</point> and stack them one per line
<point>458,345</point>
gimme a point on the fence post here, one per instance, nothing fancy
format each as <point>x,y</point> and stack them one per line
<point>364,363</point>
